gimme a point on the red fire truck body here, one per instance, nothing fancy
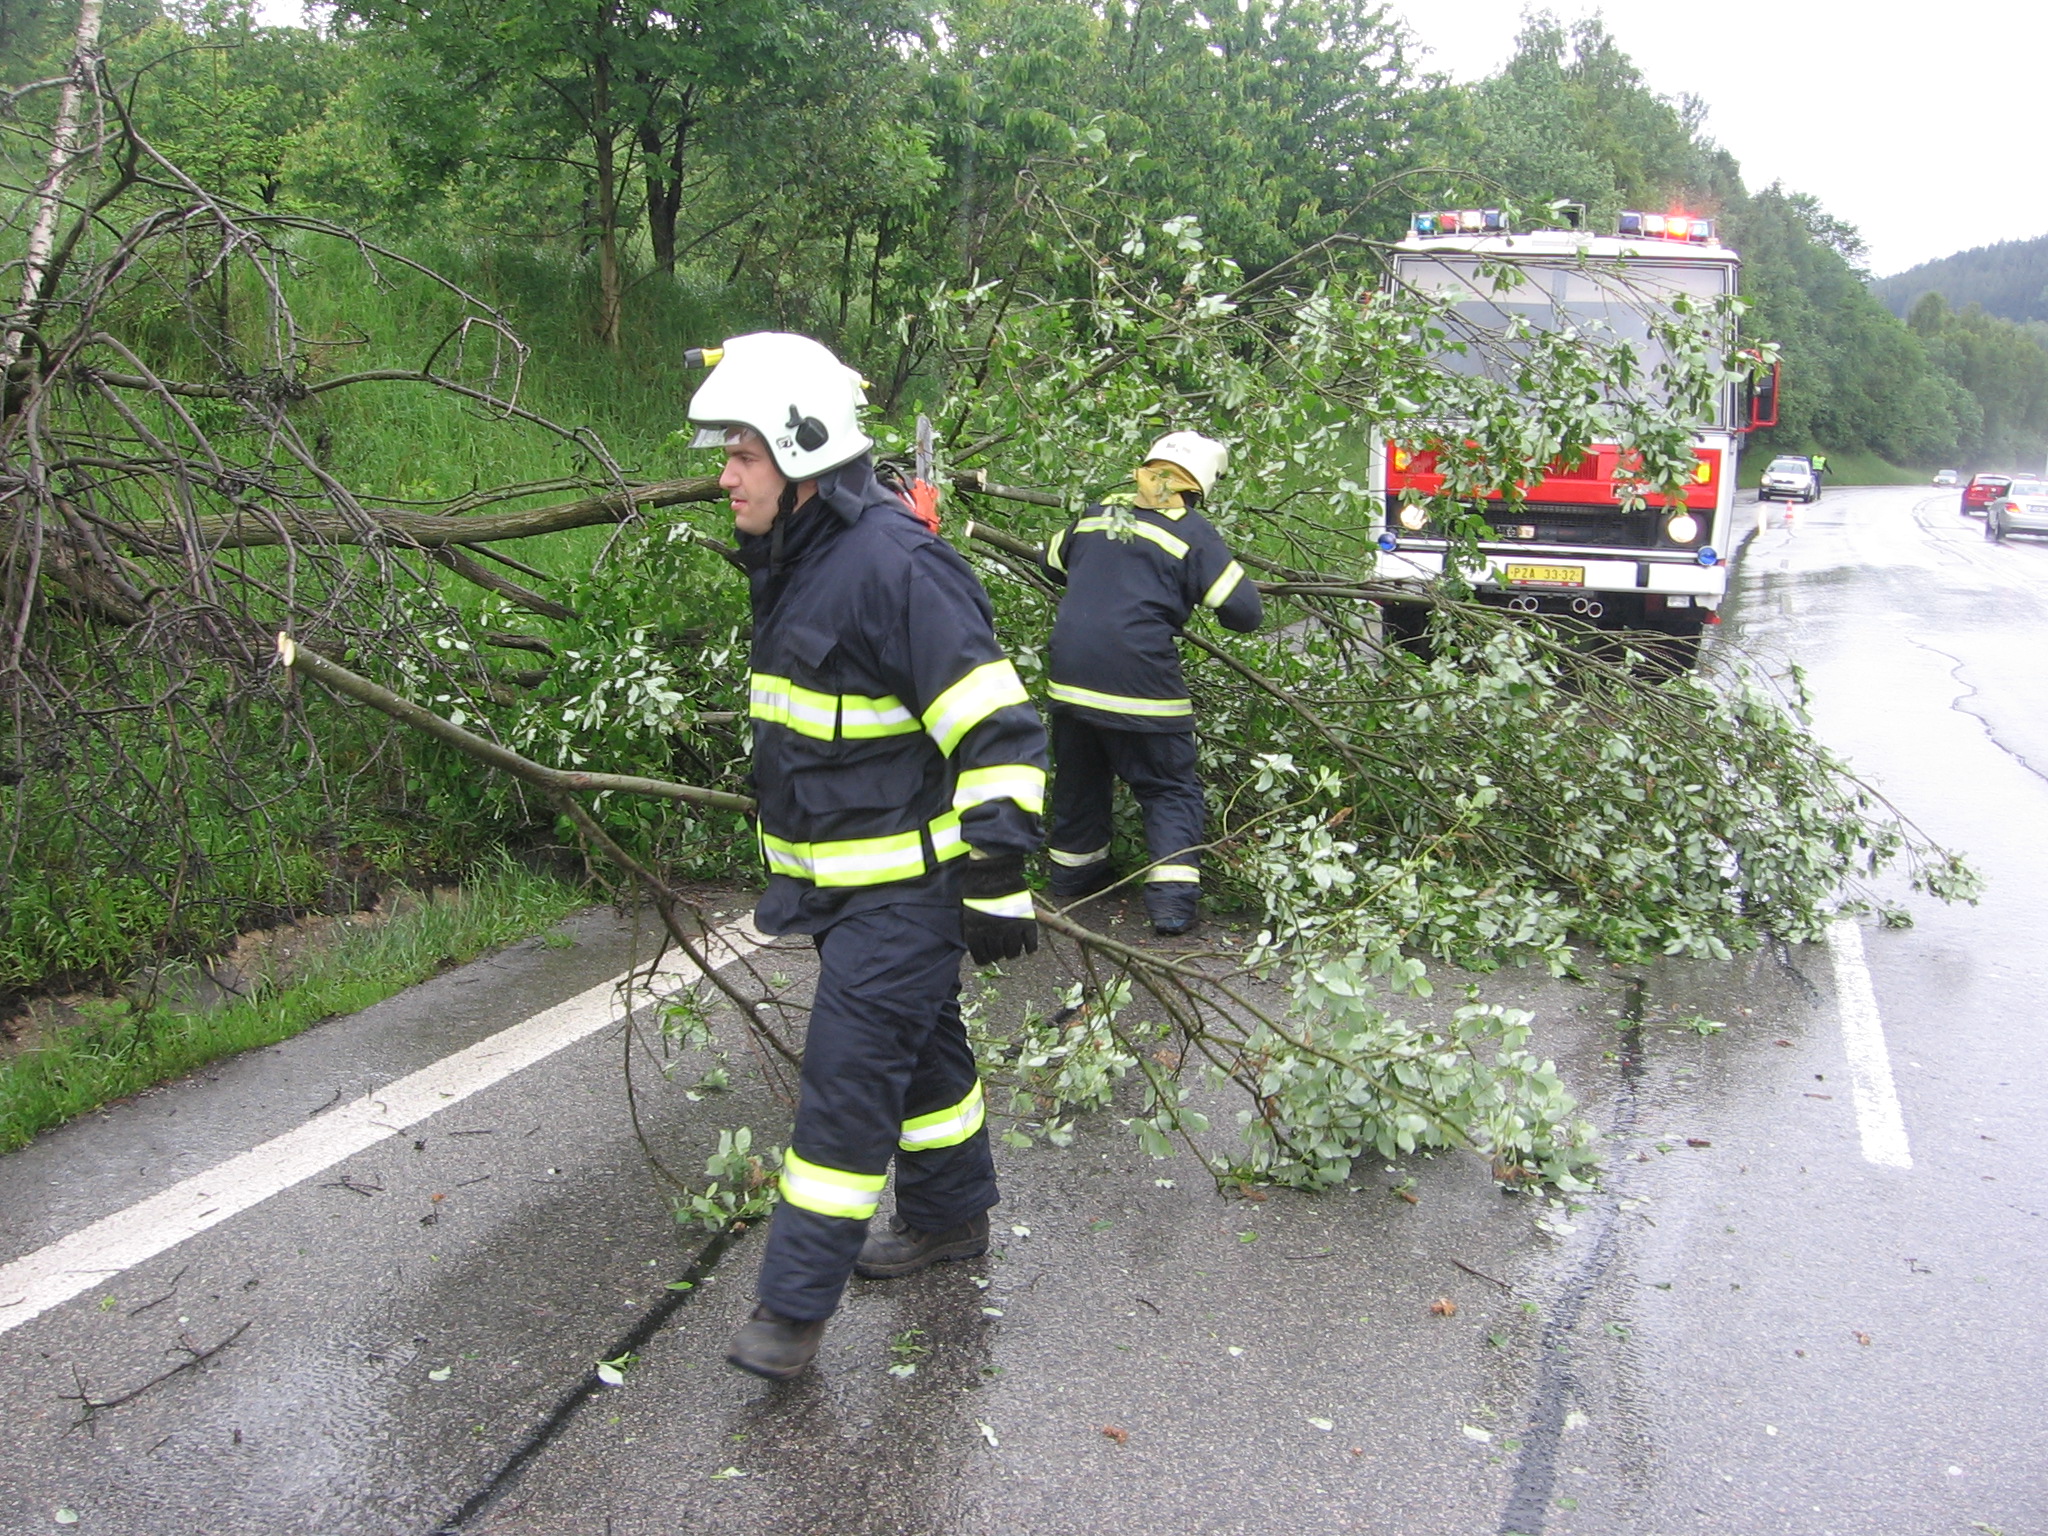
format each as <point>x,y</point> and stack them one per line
<point>1587,539</point>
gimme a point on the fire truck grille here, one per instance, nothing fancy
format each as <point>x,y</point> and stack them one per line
<point>1536,524</point>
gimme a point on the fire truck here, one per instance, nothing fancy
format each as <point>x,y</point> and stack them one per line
<point>1586,540</point>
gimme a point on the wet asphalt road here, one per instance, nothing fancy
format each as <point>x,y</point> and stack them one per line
<point>1754,1328</point>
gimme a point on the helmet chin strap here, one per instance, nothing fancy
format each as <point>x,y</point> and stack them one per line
<point>785,504</point>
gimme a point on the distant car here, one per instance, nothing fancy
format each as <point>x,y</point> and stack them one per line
<point>1982,491</point>
<point>1947,477</point>
<point>1789,477</point>
<point>2022,509</point>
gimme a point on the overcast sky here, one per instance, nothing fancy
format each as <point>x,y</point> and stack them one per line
<point>1921,125</point>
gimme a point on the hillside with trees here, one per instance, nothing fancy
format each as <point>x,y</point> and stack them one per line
<point>2008,280</point>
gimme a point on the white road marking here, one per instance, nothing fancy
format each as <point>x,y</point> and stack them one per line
<point>36,1282</point>
<point>1870,1064</point>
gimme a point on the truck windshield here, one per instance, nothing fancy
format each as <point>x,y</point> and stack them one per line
<point>1606,303</point>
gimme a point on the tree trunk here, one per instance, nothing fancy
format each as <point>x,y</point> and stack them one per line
<point>665,156</point>
<point>49,195</point>
<point>610,284</point>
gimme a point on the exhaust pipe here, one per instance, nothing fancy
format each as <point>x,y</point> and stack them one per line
<point>1594,608</point>
<point>1579,606</point>
<point>1522,604</point>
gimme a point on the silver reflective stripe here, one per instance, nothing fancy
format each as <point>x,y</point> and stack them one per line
<point>1018,905</point>
<point>947,1127</point>
<point>1020,782</point>
<point>830,1191</point>
<point>1067,860</point>
<point>1221,588</point>
<point>989,687</point>
<point>1178,548</point>
<point>1117,703</point>
<point>1177,874</point>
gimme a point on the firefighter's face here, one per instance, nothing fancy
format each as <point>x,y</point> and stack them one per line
<point>751,481</point>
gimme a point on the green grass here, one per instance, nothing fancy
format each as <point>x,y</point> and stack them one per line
<point>1849,466</point>
<point>121,1049</point>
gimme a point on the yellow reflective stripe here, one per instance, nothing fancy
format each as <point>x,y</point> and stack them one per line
<point>1010,781</point>
<point>830,1191</point>
<point>946,1127</point>
<point>861,717</point>
<point>1116,703</point>
<point>850,861</point>
<point>1177,548</point>
<point>803,710</point>
<point>864,860</point>
<point>825,715</point>
<point>1067,860</point>
<point>947,842</point>
<point>989,687</point>
<point>1220,589</point>
<point>1177,874</point>
<point>1017,905</point>
<point>1056,553</point>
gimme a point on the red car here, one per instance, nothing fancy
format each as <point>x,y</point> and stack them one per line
<point>1982,491</point>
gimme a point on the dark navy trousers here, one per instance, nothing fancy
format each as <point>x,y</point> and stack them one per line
<point>1159,766</point>
<point>885,1051</point>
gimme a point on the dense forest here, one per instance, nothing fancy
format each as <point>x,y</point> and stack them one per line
<point>374,334</point>
<point>2009,280</point>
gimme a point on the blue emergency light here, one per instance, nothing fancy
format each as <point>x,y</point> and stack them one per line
<point>1461,221</point>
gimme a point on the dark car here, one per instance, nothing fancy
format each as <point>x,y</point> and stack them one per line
<point>1982,491</point>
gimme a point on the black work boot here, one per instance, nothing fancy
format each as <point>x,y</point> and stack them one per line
<point>903,1250</point>
<point>774,1346</point>
<point>1072,885</point>
<point>1174,909</point>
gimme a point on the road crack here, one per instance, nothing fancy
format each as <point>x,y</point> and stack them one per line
<point>1529,1501</point>
<point>1960,704</point>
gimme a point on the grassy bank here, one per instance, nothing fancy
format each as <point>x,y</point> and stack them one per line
<point>1854,466</point>
<point>121,1048</point>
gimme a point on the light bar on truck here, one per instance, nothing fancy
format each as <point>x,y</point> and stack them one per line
<point>1461,221</point>
<point>1669,226</point>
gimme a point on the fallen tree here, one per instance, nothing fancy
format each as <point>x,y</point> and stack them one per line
<point>167,507</point>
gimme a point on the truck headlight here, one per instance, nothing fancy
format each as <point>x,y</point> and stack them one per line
<point>1414,518</point>
<point>1683,528</point>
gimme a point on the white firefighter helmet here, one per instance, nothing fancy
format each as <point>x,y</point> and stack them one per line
<point>1202,457</point>
<point>791,390</point>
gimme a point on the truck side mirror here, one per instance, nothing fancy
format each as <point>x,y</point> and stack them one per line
<point>1760,401</point>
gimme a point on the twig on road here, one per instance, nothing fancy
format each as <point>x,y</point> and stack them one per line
<point>90,1406</point>
<point>167,1295</point>
<point>1480,1274</point>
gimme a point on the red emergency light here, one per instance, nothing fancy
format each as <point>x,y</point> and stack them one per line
<point>1669,226</point>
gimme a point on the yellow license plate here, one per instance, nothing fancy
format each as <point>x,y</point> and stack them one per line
<point>1544,575</point>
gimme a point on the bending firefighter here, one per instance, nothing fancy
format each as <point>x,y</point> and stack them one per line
<point>900,772</point>
<point>1134,574</point>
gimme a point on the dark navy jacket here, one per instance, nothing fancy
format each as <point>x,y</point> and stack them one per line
<point>890,731</point>
<point>1133,577</point>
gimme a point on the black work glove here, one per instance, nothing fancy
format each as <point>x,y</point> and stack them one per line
<point>996,916</point>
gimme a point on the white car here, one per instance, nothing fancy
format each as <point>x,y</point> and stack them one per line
<point>1789,478</point>
<point>2022,509</point>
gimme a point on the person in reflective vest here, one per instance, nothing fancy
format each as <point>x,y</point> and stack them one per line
<point>1135,569</point>
<point>900,775</point>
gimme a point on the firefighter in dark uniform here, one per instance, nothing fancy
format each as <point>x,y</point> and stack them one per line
<point>1135,569</point>
<point>900,773</point>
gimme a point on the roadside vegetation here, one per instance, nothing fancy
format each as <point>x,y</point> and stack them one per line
<point>124,1044</point>
<point>446,458</point>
